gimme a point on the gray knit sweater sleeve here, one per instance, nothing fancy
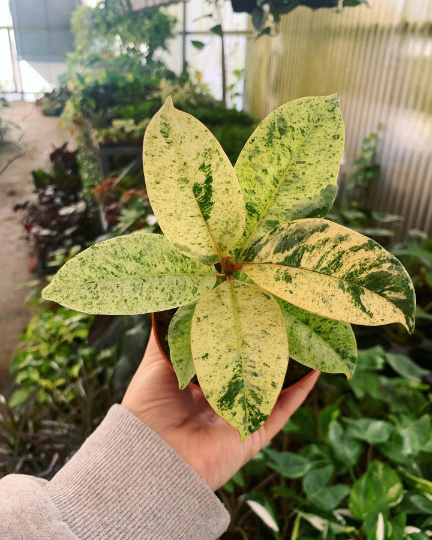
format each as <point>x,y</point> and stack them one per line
<point>124,483</point>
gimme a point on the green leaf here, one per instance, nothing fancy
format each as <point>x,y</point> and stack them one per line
<point>296,527</point>
<point>326,525</point>
<point>288,169</point>
<point>345,449</point>
<point>179,340</point>
<point>334,272</point>
<point>240,352</point>
<point>416,503</point>
<point>192,186</point>
<point>319,343</point>
<point>138,273</point>
<point>326,417</point>
<point>19,397</point>
<point>370,430</point>
<point>318,455</point>
<point>287,493</point>
<point>371,359</point>
<point>376,490</point>
<point>217,30</point>
<point>264,508</point>
<point>405,367</point>
<point>364,382</point>
<point>288,464</point>
<point>198,44</point>
<point>238,478</point>
<point>316,479</point>
<point>229,486</point>
<point>329,498</point>
<point>419,483</point>
<point>411,438</point>
<point>417,536</point>
<point>377,526</point>
<point>323,497</point>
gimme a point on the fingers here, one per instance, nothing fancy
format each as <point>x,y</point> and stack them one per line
<point>152,353</point>
<point>151,356</point>
<point>288,403</point>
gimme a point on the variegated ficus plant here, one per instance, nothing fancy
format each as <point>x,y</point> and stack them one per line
<point>283,276</point>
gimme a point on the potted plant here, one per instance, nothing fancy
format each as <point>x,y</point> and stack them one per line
<point>246,257</point>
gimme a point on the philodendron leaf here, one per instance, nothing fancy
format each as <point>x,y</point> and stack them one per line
<point>319,343</point>
<point>376,490</point>
<point>288,464</point>
<point>193,189</point>
<point>240,352</point>
<point>137,273</point>
<point>334,272</point>
<point>179,339</point>
<point>289,167</point>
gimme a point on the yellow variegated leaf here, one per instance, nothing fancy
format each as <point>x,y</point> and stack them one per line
<point>138,273</point>
<point>289,167</point>
<point>179,340</point>
<point>240,351</point>
<point>334,272</point>
<point>319,343</point>
<point>193,189</point>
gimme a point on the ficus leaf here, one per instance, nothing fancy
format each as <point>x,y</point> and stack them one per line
<point>179,340</point>
<point>289,167</point>
<point>240,352</point>
<point>137,273</point>
<point>319,343</point>
<point>192,186</point>
<point>334,272</point>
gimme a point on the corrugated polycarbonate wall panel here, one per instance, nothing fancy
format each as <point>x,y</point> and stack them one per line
<point>380,60</point>
<point>42,29</point>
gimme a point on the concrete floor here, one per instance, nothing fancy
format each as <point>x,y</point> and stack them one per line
<point>40,134</point>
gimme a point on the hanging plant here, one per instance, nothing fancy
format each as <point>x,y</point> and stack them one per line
<point>261,10</point>
<point>285,278</point>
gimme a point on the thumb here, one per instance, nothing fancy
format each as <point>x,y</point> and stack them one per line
<point>287,404</point>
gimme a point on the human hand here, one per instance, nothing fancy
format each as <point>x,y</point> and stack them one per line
<point>185,420</point>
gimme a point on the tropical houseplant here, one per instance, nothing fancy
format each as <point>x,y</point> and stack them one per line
<point>247,258</point>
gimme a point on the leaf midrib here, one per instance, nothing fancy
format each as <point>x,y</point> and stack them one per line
<point>141,276</point>
<point>276,191</point>
<point>177,151</point>
<point>237,329</point>
<point>326,275</point>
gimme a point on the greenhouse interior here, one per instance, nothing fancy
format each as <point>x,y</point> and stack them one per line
<point>216,269</point>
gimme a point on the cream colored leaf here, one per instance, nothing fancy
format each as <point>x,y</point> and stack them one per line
<point>138,273</point>
<point>334,272</point>
<point>193,189</point>
<point>240,351</point>
<point>319,343</point>
<point>179,340</point>
<point>289,167</point>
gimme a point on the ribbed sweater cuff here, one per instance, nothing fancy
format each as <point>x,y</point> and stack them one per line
<point>126,483</point>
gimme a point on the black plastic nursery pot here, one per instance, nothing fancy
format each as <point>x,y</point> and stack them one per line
<point>295,374</point>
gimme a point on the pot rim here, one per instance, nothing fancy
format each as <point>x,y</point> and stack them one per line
<point>193,385</point>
